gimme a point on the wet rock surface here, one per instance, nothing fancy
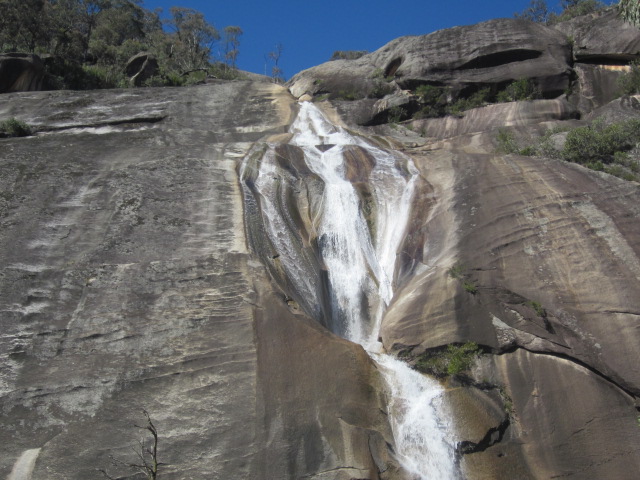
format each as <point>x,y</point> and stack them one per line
<point>127,284</point>
<point>547,253</point>
<point>132,275</point>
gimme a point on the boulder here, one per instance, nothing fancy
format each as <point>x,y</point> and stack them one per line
<point>619,110</point>
<point>20,72</point>
<point>141,67</point>
<point>598,85</point>
<point>466,58</point>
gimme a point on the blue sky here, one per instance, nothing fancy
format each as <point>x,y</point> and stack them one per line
<point>311,31</point>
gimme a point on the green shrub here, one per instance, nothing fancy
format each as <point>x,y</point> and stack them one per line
<point>523,89</point>
<point>470,287</point>
<point>435,101</point>
<point>456,271</point>
<point>396,114</point>
<point>507,142</point>
<point>507,401</point>
<point>629,82</point>
<point>576,9</point>
<point>597,142</point>
<point>348,54</point>
<point>476,100</point>
<point>223,71</point>
<point>102,76</point>
<point>349,95</point>
<point>430,94</point>
<point>15,128</point>
<point>380,89</point>
<point>537,307</point>
<point>454,360</point>
<point>194,78</point>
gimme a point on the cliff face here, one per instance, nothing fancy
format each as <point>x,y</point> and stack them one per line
<point>136,272</point>
<point>127,284</point>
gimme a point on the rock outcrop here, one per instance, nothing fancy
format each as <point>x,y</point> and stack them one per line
<point>141,67</point>
<point>582,57</point>
<point>490,54</point>
<point>20,72</point>
<point>602,37</point>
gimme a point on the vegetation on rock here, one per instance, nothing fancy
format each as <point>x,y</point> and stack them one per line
<point>630,11</point>
<point>629,82</point>
<point>538,10</point>
<point>86,43</point>
<point>458,272</point>
<point>147,454</point>
<point>14,128</point>
<point>454,360</point>
<point>436,101</point>
<point>608,148</point>
<point>347,54</point>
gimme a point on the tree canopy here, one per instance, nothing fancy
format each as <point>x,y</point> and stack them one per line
<point>90,41</point>
<point>630,11</point>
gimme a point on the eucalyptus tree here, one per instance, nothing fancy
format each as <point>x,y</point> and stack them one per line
<point>630,11</point>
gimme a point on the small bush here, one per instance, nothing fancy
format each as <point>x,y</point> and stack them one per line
<point>576,9</point>
<point>98,76</point>
<point>396,114</point>
<point>476,100</point>
<point>456,271</point>
<point>597,142</point>
<point>380,89</point>
<point>454,360</point>
<point>348,54</point>
<point>15,128</point>
<point>470,287</point>
<point>431,95</point>
<point>223,71</point>
<point>433,101</point>
<point>629,82</point>
<point>349,95</point>
<point>507,401</point>
<point>600,147</point>
<point>537,307</point>
<point>507,142</point>
<point>523,89</point>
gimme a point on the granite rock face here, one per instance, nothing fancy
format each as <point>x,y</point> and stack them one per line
<point>584,56</point>
<point>129,280</point>
<point>489,54</point>
<point>602,37</point>
<point>127,284</point>
<point>552,251</point>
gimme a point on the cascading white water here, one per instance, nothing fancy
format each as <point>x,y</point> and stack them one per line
<point>360,267</point>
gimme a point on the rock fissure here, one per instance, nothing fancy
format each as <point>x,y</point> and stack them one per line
<point>337,469</point>
<point>493,436</point>
<point>630,391</point>
<point>111,123</point>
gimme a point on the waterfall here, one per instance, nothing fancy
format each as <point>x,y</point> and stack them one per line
<point>358,252</point>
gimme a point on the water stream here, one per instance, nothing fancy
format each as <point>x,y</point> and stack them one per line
<point>358,251</point>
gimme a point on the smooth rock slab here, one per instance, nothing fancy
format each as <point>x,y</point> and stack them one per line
<point>126,283</point>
